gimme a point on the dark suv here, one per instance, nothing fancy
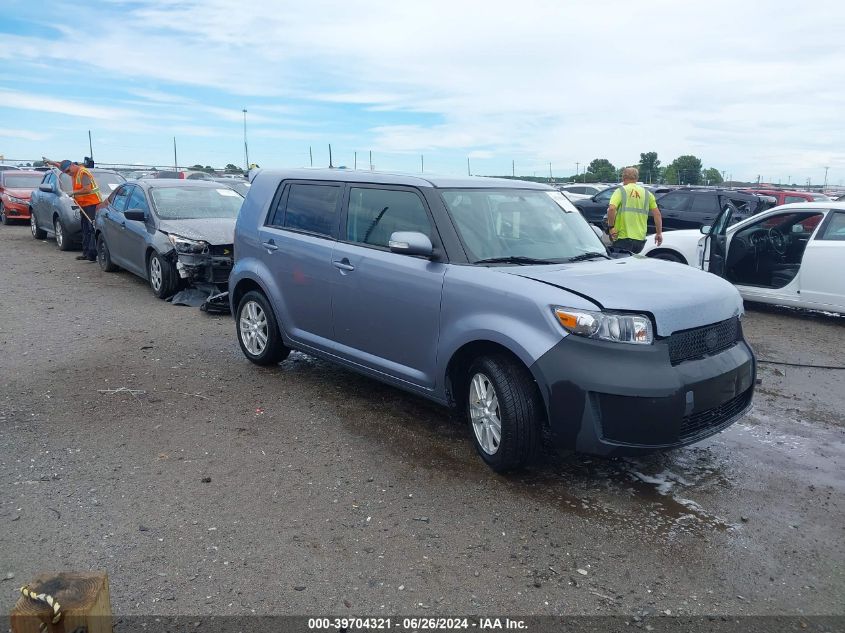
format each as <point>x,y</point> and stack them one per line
<point>693,208</point>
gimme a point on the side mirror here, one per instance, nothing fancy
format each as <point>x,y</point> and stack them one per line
<point>137,215</point>
<point>45,188</point>
<point>706,229</point>
<point>410,243</point>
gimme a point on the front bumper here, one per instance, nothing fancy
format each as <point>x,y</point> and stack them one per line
<point>16,210</point>
<point>615,399</point>
<point>213,267</point>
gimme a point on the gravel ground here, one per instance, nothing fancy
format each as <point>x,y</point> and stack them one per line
<point>217,487</point>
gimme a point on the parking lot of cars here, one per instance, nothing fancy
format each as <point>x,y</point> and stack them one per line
<point>138,433</point>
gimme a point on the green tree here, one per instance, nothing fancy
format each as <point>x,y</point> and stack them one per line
<point>712,176</point>
<point>687,170</point>
<point>233,169</point>
<point>602,170</point>
<point>649,167</point>
<point>38,163</point>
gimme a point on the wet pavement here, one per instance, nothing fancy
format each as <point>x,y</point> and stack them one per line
<point>137,439</point>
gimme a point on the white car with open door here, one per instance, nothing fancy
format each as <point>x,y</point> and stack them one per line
<point>792,255</point>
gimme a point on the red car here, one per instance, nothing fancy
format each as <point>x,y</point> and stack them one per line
<point>16,187</point>
<point>785,197</point>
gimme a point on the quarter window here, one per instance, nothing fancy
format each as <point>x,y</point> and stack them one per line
<point>312,208</point>
<point>705,204</point>
<point>375,214</point>
<point>673,202</point>
<point>790,199</point>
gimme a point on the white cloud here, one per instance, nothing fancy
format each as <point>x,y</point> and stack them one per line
<point>27,135</point>
<point>539,81</point>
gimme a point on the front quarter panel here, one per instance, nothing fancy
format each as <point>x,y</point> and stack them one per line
<point>481,304</point>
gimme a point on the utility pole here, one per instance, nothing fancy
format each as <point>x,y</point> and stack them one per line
<point>422,164</point>
<point>175,162</point>
<point>513,168</point>
<point>330,157</point>
<point>91,148</point>
<point>550,173</point>
<point>355,163</point>
<point>246,150</point>
<point>311,155</point>
<point>469,171</point>
<point>825,178</point>
<point>577,169</point>
<point>371,160</point>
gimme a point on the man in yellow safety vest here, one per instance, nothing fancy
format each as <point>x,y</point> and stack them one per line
<point>627,215</point>
<point>86,193</point>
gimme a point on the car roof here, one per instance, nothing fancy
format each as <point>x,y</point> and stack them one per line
<point>817,204</point>
<point>22,172</point>
<point>397,178</point>
<point>157,183</point>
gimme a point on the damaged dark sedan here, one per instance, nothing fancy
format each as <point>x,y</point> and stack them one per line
<point>173,233</point>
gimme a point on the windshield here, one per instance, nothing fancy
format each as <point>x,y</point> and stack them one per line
<point>186,203</point>
<point>22,181</point>
<point>520,223</point>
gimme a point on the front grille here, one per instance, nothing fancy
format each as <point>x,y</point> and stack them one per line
<point>708,421</point>
<point>704,341</point>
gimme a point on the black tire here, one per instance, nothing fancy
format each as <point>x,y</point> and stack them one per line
<point>3,217</point>
<point>62,240</point>
<point>274,350</point>
<point>668,256</point>
<point>168,283</point>
<point>520,411</point>
<point>37,234</point>
<point>103,255</point>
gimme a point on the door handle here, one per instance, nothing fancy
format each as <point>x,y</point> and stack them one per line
<point>343,265</point>
<point>270,245</point>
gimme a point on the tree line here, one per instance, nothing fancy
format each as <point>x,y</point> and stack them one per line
<point>684,170</point>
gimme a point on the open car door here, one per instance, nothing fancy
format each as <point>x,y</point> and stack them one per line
<point>715,249</point>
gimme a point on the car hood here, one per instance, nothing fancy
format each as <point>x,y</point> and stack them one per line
<point>19,193</point>
<point>215,231</point>
<point>677,296</point>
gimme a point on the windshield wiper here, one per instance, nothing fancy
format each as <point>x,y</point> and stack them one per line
<point>584,256</point>
<point>515,260</point>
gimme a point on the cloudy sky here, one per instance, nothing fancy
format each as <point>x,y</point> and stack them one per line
<point>751,88</point>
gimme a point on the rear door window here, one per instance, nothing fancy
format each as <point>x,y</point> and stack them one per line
<point>673,202</point>
<point>707,204</point>
<point>835,229</point>
<point>375,214</point>
<point>312,208</point>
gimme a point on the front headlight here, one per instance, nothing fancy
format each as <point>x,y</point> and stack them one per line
<point>17,200</point>
<point>184,245</point>
<point>607,326</point>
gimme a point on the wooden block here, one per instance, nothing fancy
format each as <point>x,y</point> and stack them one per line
<point>84,600</point>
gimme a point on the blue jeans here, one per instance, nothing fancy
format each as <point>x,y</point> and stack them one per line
<point>89,244</point>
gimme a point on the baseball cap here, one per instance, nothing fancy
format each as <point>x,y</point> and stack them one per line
<point>65,165</point>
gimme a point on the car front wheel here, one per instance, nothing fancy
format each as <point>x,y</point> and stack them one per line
<point>3,217</point>
<point>258,332</point>
<point>162,276</point>
<point>505,412</point>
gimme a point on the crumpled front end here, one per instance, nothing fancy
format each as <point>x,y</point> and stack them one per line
<point>211,266</point>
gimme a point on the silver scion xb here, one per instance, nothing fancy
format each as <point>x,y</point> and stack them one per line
<point>492,296</point>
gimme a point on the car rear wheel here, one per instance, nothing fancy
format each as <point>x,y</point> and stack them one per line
<point>62,240</point>
<point>258,332</point>
<point>103,255</point>
<point>162,276</point>
<point>504,411</point>
<point>37,233</point>
<point>3,217</point>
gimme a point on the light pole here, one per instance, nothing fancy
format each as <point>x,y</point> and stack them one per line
<point>825,178</point>
<point>246,148</point>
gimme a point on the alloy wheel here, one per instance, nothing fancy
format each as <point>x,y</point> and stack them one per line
<point>32,226</point>
<point>60,238</point>
<point>155,273</point>
<point>253,328</point>
<point>484,413</point>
